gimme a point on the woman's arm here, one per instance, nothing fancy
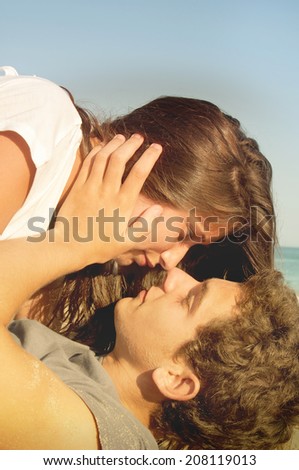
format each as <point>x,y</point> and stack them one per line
<point>25,266</point>
<point>37,409</point>
<point>17,171</point>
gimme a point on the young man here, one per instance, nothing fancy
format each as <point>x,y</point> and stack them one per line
<point>211,365</point>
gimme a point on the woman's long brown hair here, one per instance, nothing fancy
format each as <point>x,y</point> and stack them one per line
<point>208,163</point>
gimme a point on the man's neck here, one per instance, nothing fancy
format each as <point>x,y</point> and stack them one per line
<point>129,385</point>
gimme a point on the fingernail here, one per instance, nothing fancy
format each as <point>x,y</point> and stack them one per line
<point>137,136</point>
<point>156,146</point>
<point>119,136</point>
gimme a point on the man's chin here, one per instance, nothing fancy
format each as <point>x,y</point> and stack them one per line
<point>120,305</point>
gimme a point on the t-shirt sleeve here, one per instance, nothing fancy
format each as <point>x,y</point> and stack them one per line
<point>39,110</point>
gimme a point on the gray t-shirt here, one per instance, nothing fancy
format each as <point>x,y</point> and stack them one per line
<point>80,369</point>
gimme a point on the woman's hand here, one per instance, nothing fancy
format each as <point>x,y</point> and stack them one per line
<point>96,216</point>
<point>92,226</point>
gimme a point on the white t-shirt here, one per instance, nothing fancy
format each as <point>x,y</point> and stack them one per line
<point>44,115</point>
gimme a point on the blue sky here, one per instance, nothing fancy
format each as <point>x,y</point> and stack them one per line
<point>115,55</point>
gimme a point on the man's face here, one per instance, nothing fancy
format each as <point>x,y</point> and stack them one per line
<point>151,327</point>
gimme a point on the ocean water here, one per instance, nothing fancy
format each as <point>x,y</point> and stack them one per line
<point>287,261</point>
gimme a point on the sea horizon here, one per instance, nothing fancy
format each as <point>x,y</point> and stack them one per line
<point>287,261</point>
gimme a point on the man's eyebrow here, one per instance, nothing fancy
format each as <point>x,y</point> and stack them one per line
<point>200,294</point>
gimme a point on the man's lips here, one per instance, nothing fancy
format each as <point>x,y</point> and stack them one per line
<point>142,295</point>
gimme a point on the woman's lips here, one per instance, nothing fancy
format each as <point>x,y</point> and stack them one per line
<point>141,260</point>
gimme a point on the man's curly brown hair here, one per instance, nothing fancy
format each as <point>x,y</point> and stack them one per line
<point>248,367</point>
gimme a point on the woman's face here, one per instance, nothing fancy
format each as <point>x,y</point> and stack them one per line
<point>171,235</point>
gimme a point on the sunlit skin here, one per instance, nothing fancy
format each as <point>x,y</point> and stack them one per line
<point>167,245</point>
<point>152,326</point>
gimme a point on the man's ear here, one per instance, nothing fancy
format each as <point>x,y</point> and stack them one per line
<point>176,382</point>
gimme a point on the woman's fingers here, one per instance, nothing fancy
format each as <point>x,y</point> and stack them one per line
<point>98,196</point>
<point>118,160</point>
<point>105,165</point>
<point>140,171</point>
<point>86,166</point>
<point>101,159</point>
<point>95,163</point>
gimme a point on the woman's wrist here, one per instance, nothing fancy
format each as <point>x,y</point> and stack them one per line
<point>79,251</point>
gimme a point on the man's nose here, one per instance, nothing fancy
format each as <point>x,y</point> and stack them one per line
<point>178,279</point>
<point>170,258</point>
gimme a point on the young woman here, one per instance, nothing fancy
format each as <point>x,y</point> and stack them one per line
<point>210,176</point>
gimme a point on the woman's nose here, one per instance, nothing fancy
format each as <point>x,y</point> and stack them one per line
<point>170,258</point>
